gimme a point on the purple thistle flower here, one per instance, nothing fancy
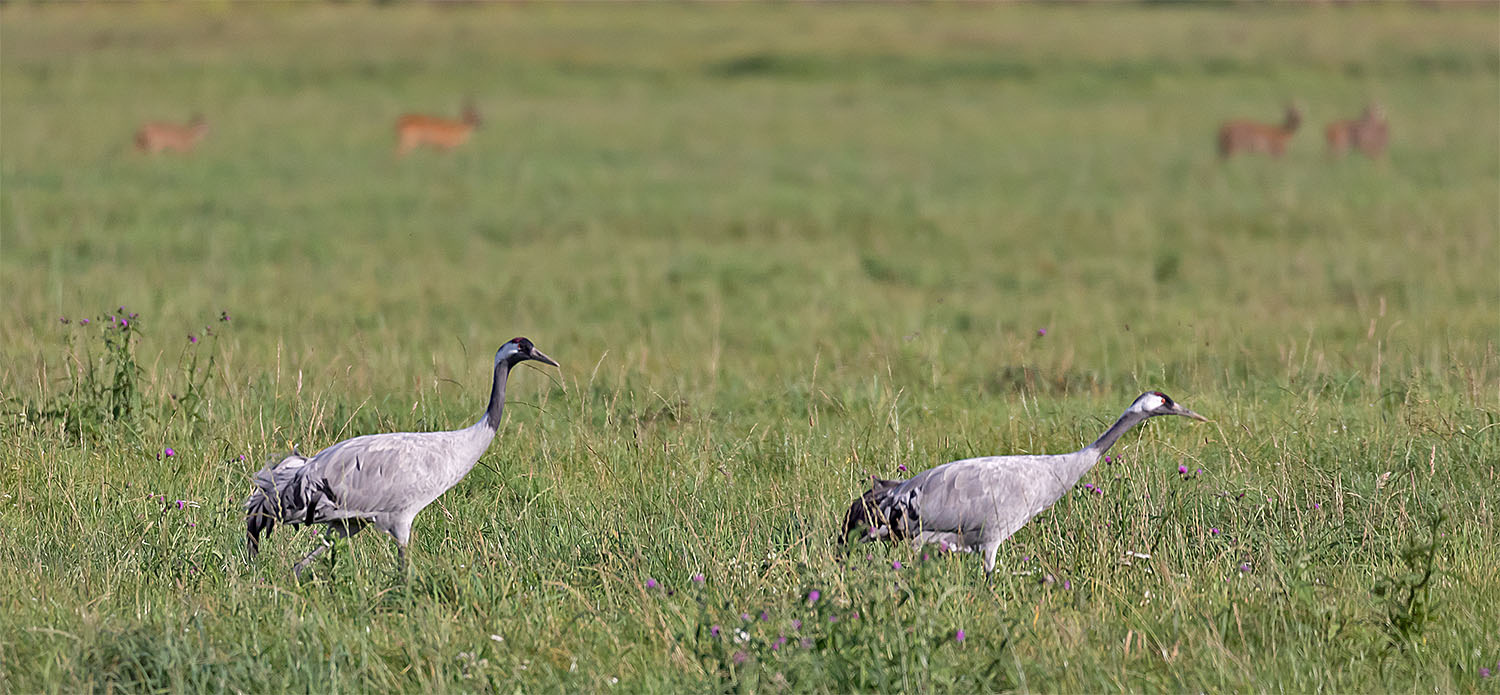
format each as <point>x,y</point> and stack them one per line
<point>224,316</point>
<point>807,643</point>
<point>854,615</point>
<point>1182,470</point>
<point>63,319</point>
<point>168,452</point>
<point>901,468</point>
<point>765,617</point>
<point>192,339</point>
<point>833,618</point>
<point>698,578</point>
<point>1244,567</point>
<point>745,617</point>
<point>1213,531</point>
<point>1107,459</point>
<point>1068,584</point>
<point>778,644</point>
<point>714,630</point>
<point>133,314</point>
<point>124,324</point>
<point>1198,472</point>
<point>1484,672</point>
<point>958,636</point>
<point>740,656</point>
<point>813,596</point>
<point>650,583</point>
<point>796,624</point>
<point>896,564</point>
<point>83,322</point>
<point>1041,332</point>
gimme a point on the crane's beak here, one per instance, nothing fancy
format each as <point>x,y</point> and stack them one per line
<point>538,356</point>
<point>1190,414</point>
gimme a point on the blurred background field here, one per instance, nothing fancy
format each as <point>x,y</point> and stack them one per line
<point>777,249</point>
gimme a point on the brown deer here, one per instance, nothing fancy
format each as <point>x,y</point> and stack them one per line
<point>159,136</point>
<point>1368,134</point>
<point>1252,137</point>
<point>414,130</point>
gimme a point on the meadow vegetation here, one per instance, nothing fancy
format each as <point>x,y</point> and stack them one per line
<point>777,249</point>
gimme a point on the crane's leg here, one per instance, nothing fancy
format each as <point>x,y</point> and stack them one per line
<point>342,528</point>
<point>400,529</point>
<point>989,563</point>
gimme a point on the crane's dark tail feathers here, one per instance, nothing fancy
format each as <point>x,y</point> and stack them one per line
<point>265,505</point>
<point>260,518</point>
<point>870,513</point>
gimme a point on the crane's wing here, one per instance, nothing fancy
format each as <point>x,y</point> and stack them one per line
<point>374,474</point>
<point>947,501</point>
<point>978,497</point>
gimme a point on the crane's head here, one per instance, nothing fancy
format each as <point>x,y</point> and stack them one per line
<point>518,350</point>
<point>1153,403</point>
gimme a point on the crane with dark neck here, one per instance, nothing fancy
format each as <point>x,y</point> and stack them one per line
<point>974,504</point>
<point>512,353</point>
<point>381,479</point>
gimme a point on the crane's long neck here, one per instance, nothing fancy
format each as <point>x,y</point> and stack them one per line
<point>1079,462</point>
<point>497,396</point>
<point>1130,419</point>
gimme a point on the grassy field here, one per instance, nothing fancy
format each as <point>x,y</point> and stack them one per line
<point>777,249</point>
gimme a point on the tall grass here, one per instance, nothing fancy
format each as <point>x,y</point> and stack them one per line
<point>778,250</point>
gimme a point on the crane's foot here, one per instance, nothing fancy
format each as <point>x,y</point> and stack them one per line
<point>300,568</point>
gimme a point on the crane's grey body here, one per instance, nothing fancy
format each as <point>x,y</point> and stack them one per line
<point>383,479</point>
<point>380,479</point>
<point>975,504</point>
